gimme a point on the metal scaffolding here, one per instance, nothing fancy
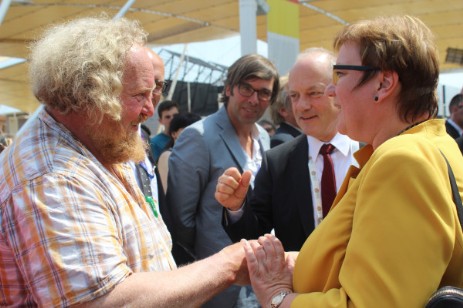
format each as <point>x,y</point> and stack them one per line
<point>192,69</point>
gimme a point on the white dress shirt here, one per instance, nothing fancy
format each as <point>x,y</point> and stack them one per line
<point>342,158</point>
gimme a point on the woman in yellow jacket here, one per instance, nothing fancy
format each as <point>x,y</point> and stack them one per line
<point>392,236</point>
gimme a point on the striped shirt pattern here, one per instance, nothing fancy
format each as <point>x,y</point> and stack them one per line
<point>70,230</point>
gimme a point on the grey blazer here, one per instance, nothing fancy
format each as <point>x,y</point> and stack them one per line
<point>200,155</point>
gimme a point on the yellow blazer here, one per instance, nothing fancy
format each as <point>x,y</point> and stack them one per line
<point>392,236</point>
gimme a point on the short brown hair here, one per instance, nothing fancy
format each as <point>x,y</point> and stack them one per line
<point>249,67</point>
<point>405,45</point>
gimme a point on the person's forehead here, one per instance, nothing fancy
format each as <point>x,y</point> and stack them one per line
<point>307,79</point>
<point>170,110</point>
<point>136,55</point>
<point>256,80</point>
<point>158,68</point>
<point>159,72</point>
<point>158,64</point>
<point>137,69</point>
<point>349,54</point>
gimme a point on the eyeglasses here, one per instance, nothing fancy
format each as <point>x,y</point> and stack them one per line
<point>351,68</point>
<point>245,89</point>
<point>161,87</point>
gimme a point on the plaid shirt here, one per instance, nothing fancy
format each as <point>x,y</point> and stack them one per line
<point>70,231</point>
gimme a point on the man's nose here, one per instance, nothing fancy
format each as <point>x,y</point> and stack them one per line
<point>148,107</point>
<point>254,98</point>
<point>303,103</point>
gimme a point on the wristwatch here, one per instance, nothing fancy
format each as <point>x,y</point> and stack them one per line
<point>278,299</point>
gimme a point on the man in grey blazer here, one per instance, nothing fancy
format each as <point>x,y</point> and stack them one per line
<point>227,138</point>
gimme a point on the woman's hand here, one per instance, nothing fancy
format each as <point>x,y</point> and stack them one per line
<point>269,269</point>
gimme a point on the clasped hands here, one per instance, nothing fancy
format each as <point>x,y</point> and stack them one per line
<point>264,264</point>
<point>269,268</point>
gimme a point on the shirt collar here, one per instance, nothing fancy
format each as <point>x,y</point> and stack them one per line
<point>340,141</point>
<point>255,132</point>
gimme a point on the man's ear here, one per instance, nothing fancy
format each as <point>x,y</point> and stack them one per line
<point>228,91</point>
<point>160,119</point>
<point>283,112</point>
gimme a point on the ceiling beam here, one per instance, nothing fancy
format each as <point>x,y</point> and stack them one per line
<point>124,9</point>
<point>4,6</point>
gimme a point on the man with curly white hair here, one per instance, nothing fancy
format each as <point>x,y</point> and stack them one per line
<point>74,226</point>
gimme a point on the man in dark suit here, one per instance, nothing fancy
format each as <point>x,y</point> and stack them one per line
<point>282,115</point>
<point>459,141</point>
<point>454,124</point>
<point>287,194</point>
<point>281,199</point>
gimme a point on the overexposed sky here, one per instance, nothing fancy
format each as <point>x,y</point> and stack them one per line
<point>223,51</point>
<point>452,79</point>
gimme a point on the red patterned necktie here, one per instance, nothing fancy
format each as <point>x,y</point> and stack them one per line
<point>328,178</point>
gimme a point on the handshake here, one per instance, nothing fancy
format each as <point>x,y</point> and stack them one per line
<point>264,264</point>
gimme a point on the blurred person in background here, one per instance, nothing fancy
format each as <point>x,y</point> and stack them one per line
<point>454,124</point>
<point>4,142</point>
<point>268,126</point>
<point>148,178</point>
<point>176,126</point>
<point>166,111</point>
<point>282,115</point>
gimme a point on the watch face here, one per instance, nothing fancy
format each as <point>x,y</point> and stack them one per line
<point>277,299</point>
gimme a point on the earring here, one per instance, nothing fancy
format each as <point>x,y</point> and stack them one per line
<point>376,98</point>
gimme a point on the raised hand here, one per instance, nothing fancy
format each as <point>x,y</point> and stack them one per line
<point>232,187</point>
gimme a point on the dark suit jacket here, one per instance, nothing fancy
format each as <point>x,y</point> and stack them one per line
<point>284,133</point>
<point>282,198</point>
<point>459,141</point>
<point>452,131</point>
